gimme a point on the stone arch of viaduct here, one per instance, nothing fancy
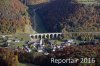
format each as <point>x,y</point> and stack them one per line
<point>45,35</point>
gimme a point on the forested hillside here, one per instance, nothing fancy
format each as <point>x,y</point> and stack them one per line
<point>58,15</point>
<point>71,16</point>
<point>13,16</point>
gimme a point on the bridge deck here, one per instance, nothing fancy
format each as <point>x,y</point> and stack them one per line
<point>71,32</point>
